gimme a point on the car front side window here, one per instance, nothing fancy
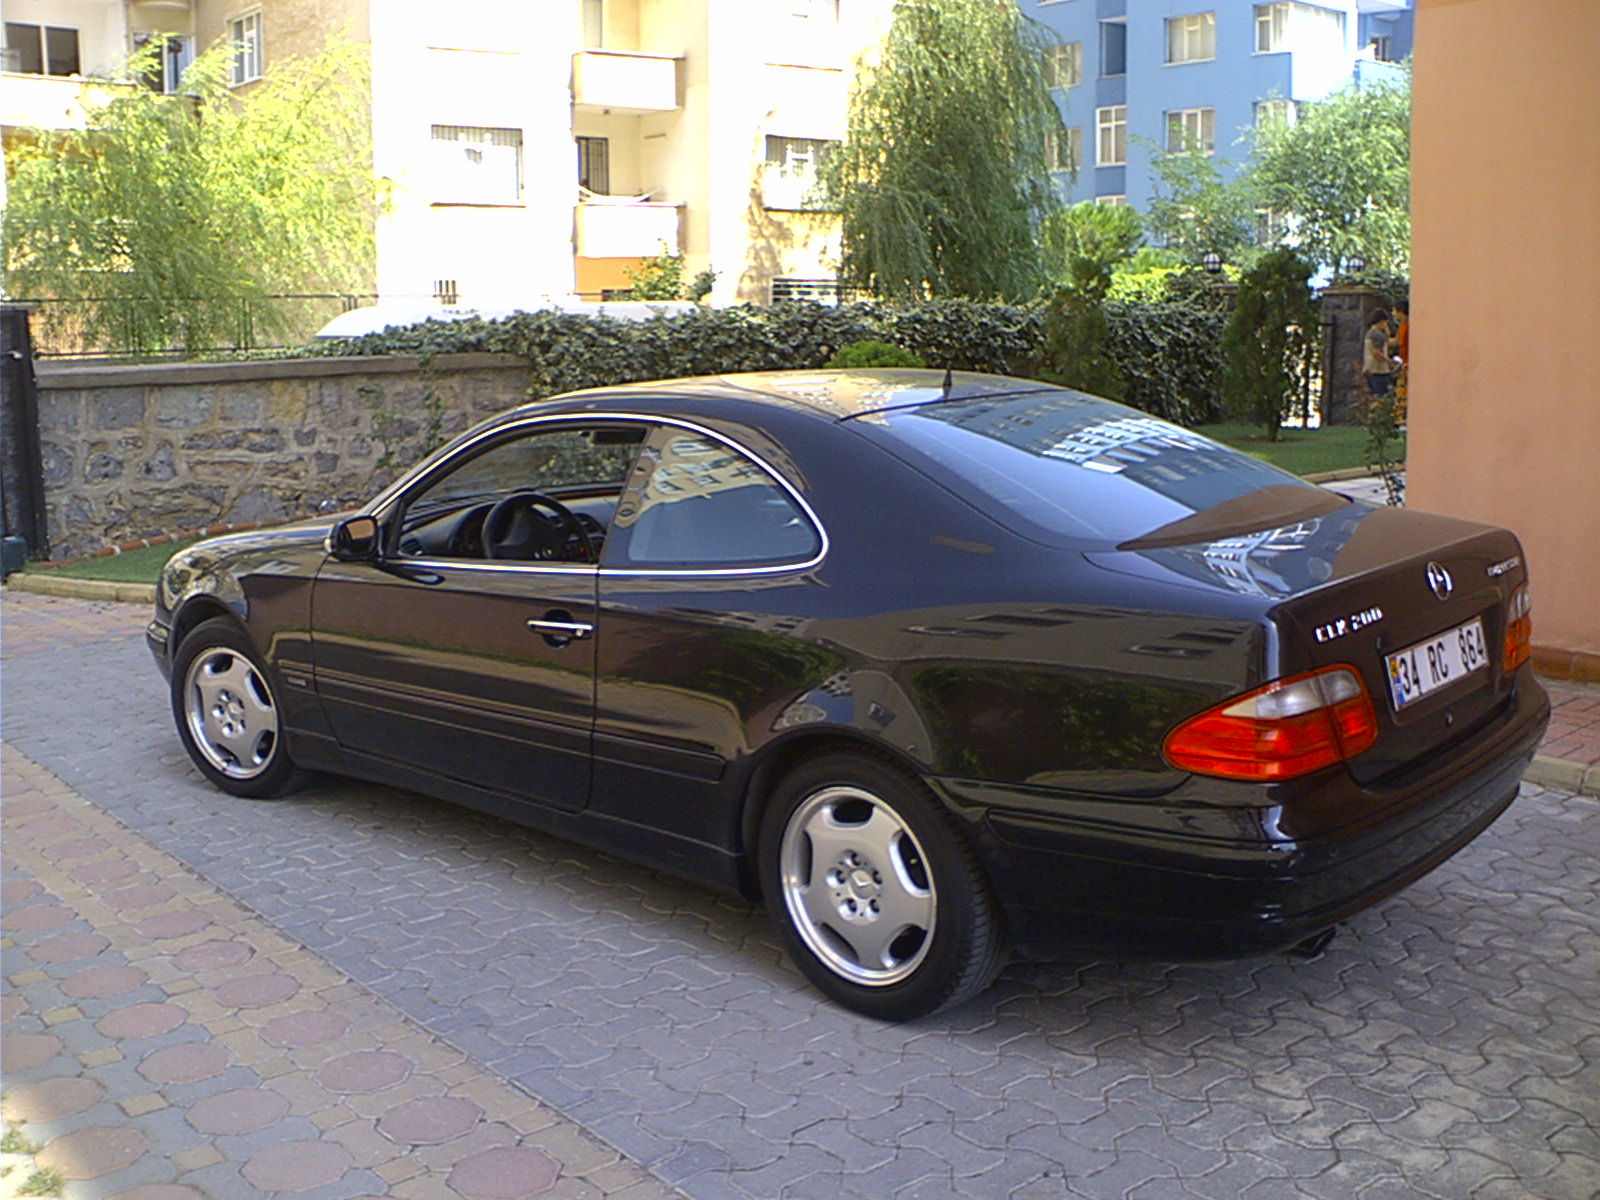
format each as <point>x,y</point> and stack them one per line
<point>695,502</point>
<point>499,501</point>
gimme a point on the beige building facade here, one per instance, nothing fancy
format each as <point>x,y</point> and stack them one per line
<point>1505,382</point>
<point>534,150</point>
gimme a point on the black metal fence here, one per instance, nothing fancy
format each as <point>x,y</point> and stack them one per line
<point>137,327</point>
<point>22,509</point>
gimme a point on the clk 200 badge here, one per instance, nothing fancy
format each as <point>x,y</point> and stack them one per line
<point>1344,625</point>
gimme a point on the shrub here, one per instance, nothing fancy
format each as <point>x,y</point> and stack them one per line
<point>1271,341</point>
<point>874,354</point>
<point>1170,355</point>
<point>1166,353</point>
<point>1077,333</point>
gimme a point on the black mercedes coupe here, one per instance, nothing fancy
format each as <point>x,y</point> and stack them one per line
<point>938,666</point>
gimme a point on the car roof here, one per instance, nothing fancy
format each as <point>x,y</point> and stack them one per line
<point>835,395</point>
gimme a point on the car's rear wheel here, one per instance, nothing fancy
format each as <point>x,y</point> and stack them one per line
<point>227,712</point>
<point>874,891</point>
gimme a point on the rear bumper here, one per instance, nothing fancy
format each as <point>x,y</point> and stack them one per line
<point>1209,876</point>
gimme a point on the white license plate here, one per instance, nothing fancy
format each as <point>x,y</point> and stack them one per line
<point>1437,662</point>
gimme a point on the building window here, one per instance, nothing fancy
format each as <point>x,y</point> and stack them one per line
<point>790,177</point>
<point>1192,129</point>
<point>796,156</point>
<point>447,292</point>
<point>1290,25</point>
<point>1271,227</point>
<point>1063,65</point>
<point>1276,114</point>
<point>1117,201</point>
<point>244,35</point>
<point>173,60</point>
<point>1063,149</point>
<point>474,165</point>
<point>1111,141</point>
<point>593,16</point>
<point>41,50</point>
<point>1383,48</point>
<point>1113,47</point>
<point>594,165</point>
<point>1192,38</point>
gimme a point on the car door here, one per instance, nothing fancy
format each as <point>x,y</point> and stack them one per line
<point>706,586</point>
<point>466,649</point>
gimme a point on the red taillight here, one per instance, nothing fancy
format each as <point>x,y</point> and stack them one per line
<point>1519,629</point>
<point>1284,729</point>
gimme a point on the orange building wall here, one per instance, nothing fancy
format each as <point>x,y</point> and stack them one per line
<point>1505,344</point>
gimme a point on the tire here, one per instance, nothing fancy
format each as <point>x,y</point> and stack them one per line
<point>225,704</point>
<point>874,891</point>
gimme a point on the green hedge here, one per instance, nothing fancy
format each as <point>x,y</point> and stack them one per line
<point>1171,358</point>
<point>1167,351</point>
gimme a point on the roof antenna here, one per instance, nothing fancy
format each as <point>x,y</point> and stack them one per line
<point>947,382</point>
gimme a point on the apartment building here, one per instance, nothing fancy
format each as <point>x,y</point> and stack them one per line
<point>1137,78</point>
<point>531,149</point>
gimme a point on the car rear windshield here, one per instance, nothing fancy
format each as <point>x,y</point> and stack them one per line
<point>1066,468</point>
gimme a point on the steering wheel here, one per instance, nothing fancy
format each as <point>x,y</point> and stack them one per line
<point>530,525</point>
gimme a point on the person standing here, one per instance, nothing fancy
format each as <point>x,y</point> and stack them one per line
<point>1377,358</point>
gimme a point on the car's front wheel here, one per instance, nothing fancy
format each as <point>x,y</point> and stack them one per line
<point>227,712</point>
<point>874,892</point>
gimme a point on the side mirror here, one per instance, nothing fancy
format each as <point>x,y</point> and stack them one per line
<point>354,540</point>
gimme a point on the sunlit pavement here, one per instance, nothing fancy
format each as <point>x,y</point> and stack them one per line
<point>359,992</point>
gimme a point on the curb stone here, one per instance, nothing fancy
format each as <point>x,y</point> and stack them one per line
<point>1560,773</point>
<point>45,584</point>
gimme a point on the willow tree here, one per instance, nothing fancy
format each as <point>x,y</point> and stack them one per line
<point>942,179</point>
<point>174,221</point>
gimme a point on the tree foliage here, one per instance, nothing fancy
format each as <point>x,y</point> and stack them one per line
<point>1341,175</point>
<point>1196,209</point>
<point>176,218</point>
<point>1108,234</point>
<point>941,180</point>
<point>1077,332</point>
<point>661,278</point>
<point>1269,345</point>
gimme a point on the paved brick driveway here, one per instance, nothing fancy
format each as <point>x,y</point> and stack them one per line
<point>1446,1045</point>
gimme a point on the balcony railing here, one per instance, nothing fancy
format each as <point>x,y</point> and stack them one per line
<point>626,227</point>
<point>624,83</point>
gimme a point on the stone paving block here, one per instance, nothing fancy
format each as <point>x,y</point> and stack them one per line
<point>1474,979</point>
<point>482,1137</point>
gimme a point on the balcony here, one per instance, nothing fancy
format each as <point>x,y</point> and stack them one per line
<point>49,101</point>
<point>625,84</point>
<point>626,227</point>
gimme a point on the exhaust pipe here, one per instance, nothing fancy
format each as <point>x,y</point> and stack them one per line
<point>1314,945</point>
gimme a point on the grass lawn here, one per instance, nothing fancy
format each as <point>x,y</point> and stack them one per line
<point>1303,451</point>
<point>131,566</point>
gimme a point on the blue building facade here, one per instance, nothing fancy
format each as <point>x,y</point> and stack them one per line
<point>1137,78</point>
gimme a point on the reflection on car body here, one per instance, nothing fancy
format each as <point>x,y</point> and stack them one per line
<point>938,667</point>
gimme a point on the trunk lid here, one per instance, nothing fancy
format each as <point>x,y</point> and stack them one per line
<point>1416,603</point>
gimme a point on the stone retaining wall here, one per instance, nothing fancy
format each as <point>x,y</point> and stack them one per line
<point>137,451</point>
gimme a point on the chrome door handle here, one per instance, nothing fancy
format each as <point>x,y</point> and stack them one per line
<point>571,630</point>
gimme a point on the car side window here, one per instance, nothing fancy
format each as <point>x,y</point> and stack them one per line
<point>694,501</point>
<point>498,503</point>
